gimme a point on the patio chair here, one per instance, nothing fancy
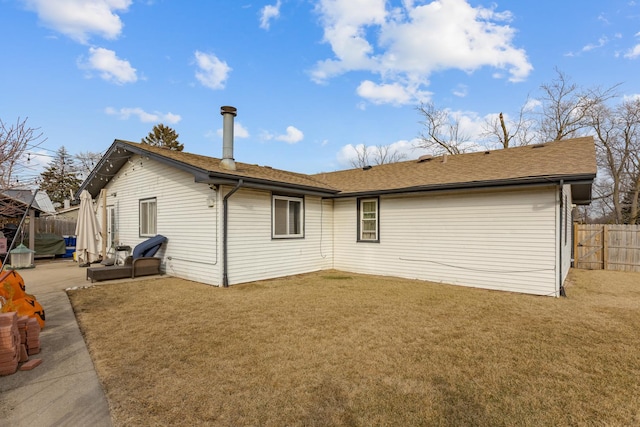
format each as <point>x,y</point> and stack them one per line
<point>141,262</point>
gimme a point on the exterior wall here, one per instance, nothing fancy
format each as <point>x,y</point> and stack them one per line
<point>71,214</point>
<point>503,240</point>
<point>254,255</point>
<point>183,216</point>
<point>565,238</point>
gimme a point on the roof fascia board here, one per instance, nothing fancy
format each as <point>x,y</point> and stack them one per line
<point>262,185</point>
<point>94,172</point>
<point>507,183</point>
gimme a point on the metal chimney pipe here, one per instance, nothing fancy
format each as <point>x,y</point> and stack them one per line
<point>228,113</point>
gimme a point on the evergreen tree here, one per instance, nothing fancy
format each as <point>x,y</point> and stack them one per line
<point>164,137</point>
<point>59,179</point>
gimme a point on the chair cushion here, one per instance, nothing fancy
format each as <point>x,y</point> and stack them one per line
<point>149,247</point>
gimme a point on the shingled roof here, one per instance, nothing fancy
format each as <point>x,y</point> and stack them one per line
<point>572,161</point>
<point>569,160</point>
<point>205,169</point>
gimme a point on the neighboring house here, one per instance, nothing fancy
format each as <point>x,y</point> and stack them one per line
<point>69,212</point>
<point>496,219</point>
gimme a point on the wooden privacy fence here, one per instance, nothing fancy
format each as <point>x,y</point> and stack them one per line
<point>61,227</point>
<point>607,247</point>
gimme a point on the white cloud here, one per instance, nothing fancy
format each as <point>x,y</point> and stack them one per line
<point>633,53</point>
<point>532,104</point>
<point>405,44</point>
<point>602,41</point>
<point>293,135</point>
<point>78,19</point>
<point>471,124</point>
<point>269,13</point>
<point>345,23</point>
<point>348,153</point>
<point>212,72</point>
<point>461,91</point>
<point>393,93</point>
<point>239,131</point>
<point>603,18</point>
<point>143,116</point>
<point>631,98</point>
<point>109,66</point>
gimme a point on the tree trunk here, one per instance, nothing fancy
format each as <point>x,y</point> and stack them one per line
<point>505,141</point>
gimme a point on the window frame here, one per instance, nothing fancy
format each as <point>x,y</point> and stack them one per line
<point>361,219</point>
<point>301,218</point>
<point>145,210</point>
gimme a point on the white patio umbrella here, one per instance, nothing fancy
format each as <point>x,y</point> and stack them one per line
<point>87,231</point>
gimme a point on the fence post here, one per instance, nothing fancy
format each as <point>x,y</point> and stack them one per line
<point>605,246</point>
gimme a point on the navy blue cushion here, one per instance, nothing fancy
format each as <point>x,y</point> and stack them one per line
<point>149,247</point>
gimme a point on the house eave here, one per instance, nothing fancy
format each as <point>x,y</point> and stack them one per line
<point>117,155</point>
<point>121,152</point>
<point>223,179</point>
<point>583,182</point>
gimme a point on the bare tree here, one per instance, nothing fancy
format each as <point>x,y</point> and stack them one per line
<point>442,132</point>
<point>617,133</point>
<point>566,107</point>
<point>511,133</point>
<point>15,139</point>
<point>629,115</point>
<point>86,162</point>
<point>362,156</point>
<point>383,154</point>
<point>376,155</point>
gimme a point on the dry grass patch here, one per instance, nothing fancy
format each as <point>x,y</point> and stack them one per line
<point>332,348</point>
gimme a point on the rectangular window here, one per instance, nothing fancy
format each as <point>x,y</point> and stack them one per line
<point>148,217</point>
<point>368,224</point>
<point>288,217</point>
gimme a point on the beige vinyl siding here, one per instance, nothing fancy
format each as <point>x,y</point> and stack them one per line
<point>496,240</point>
<point>252,252</point>
<point>183,216</point>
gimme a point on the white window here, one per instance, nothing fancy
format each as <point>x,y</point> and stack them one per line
<point>368,220</point>
<point>288,217</point>
<point>148,217</point>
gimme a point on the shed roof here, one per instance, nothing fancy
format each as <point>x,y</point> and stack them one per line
<point>13,202</point>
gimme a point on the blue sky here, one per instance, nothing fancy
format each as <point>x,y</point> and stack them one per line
<point>310,79</point>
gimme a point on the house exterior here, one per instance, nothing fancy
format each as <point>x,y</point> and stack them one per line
<point>496,219</point>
